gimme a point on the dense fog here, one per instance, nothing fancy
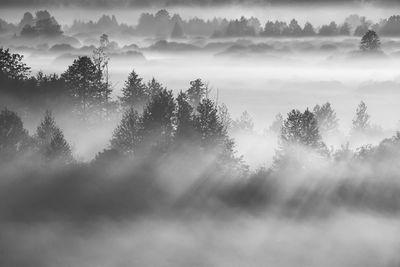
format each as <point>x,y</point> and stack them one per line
<point>199,135</point>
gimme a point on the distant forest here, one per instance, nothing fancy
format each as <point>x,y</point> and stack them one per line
<point>162,24</point>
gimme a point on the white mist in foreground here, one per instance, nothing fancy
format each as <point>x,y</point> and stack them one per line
<point>357,240</point>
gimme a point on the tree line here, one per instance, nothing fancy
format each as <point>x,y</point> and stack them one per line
<point>154,121</point>
<point>165,25</point>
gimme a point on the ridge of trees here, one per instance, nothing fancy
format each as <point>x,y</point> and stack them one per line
<point>163,24</point>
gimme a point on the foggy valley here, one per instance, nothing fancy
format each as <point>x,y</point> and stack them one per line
<point>199,133</point>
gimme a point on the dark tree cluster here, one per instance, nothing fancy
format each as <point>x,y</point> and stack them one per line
<point>81,87</point>
<point>48,144</point>
<point>42,25</point>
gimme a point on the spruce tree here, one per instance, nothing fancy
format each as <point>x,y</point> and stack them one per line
<point>158,120</point>
<point>51,143</point>
<point>128,135</point>
<point>134,93</point>
<point>361,120</point>
<point>326,118</point>
<point>13,136</point>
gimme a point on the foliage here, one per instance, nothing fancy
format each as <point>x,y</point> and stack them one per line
<point>361,120</point>
<point>51,143</point>
<point>128,135</point>
<point>184,118</point>
<point>158,121</point>
<point>276,125</point>
<point>134,92</point>
<point>13,136</point>
<point>326,118</point>
<point>370,41</point>
<point>12,66</point>
<point>84,81</point>
<point>244,123</point>
<point>197,91</point>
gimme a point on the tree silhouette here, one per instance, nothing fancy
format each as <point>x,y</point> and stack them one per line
<point>344,29</point>
<point>301,129</point>
<point>213,137</point>
<point>326,118</point>
<point>128,135</point>
<point>154,88</point>
<point>361,120</point>
<point>13,136</point>
<point>208,124</point>
<point>51,142</point>
<point>185,130</point>
<point>158,121</point>
<point>196,92</point>
<point>370,41</point>
<point>177,31</point>
<point>308,29</point>
<point>244,123</point>
<point>276,125</point>
<point>12,66</point>
<point>84,81</point>
<point>134,93</point>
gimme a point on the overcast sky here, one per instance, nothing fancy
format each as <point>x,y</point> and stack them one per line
<point>116,3</point>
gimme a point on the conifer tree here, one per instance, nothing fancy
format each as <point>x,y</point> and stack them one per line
<point>127,137</point>
<point>134,93</point>
<point>158,120</point>
<point>361,120</point>
<point>13,136</point>
<point>51,143</point>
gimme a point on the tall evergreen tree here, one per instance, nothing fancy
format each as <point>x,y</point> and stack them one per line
<point>184,118</point>
<point>244,123</point>
<point>84,81</point>
<point>154,88</point>
<point>127,137</point>
<point>13,136</point>
<point>208,124</point>
<point>370,41</point>
<point>326,118</point>
<point>361,120</point>
<point>308,29</point>
<point>196,92</point>
<point>276,125</point>
<point>158,120</point>
<point>213,137</point>
<point>177,31</point>
<point>51,142</point>
<point>301,129</point>
<point>134,93</point>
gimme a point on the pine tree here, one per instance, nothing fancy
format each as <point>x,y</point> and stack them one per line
<point>184,118</point>
<point>326,118</point>
<point>196,92</point>
<point>51,142</point>
<point>154,88</point>
<point>244,123</point>
<point>361,120</point>
<point>308,29</point>
<point>370,41</point>
<point>177,31</point>
<point>13,136</point>
<point>213,137</point>
<point>85,84</point>
<point>208,125</point>
<point>276,125</point>
<point>134,93</point>
<point>127,137</point>
<point>301,129</point>
<point>158,121</point>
